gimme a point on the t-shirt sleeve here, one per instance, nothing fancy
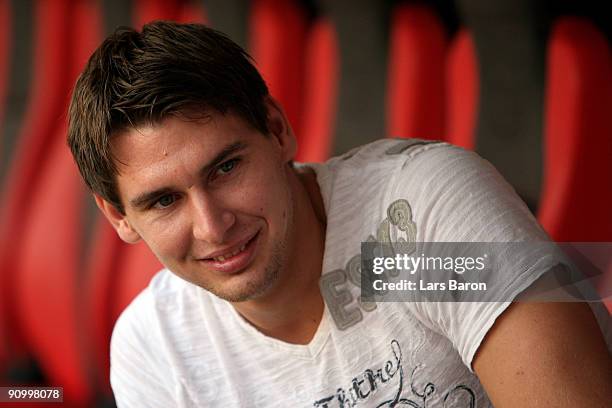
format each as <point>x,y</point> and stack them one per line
<point>138,375</point>
<point>456,196</point>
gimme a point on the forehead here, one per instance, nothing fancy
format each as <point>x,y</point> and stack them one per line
<point>137,146</point>
<point>171,151</point>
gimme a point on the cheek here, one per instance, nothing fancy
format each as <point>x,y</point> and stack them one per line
<point>255,201</point>
<point>263,189</point>
<point>269,199</point>
<point>169,240</point>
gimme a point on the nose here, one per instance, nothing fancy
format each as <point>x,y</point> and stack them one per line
<point>211,218</point>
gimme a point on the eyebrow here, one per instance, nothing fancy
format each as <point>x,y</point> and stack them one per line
<point>141,201</point>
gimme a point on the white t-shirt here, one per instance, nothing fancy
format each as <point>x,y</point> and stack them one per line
<point>177,345</point>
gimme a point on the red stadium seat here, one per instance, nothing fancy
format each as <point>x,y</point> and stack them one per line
<point>315,131</point>
<point>103,263</point>
<point>117,272</point>
<point>47,283</point>
<point>149,10</point>
<point>277,41</point>
<point>174,10</point>
<point>415,106</point>
<point>577,188</point>
<point>48,95</point>
<point>137,267</point>
<point>462,91</point>
<point>192,12</point>
<point>5,42</point>
<point>48,278</point>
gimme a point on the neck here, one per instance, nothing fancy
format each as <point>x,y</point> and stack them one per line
<point>292,311</point>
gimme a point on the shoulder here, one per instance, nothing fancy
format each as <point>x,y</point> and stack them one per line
<point>390,162</point>
<point>369,169</point>
<point>158,305</point>
<point>157,300</point>
<point>387,149</point>
<point>142,372</point>
<point>164,284</point>
<point>146,340</point>
<point>137,318</point>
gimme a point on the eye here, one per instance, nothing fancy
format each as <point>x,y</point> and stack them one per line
<point>165,201</point>
<point>227,167</point>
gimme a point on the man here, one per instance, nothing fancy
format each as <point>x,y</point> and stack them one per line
<point>175,133</point>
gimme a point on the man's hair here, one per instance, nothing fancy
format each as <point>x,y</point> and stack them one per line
<point>135,78</point>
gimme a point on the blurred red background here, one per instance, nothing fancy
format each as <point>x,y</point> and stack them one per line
<point>527,86</point>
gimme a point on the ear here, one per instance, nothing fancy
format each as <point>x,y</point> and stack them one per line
<point>280,129</point>
<point>119,221</point>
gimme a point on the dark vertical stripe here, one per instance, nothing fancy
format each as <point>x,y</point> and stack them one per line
<point>362,36</point>
<point>447,11</point>
<point>230,17</point>
<point>116,13</point>
<point>510,39</point>
<point>19,80</point>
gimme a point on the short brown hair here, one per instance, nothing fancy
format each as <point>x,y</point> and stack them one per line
<point>136,78</point>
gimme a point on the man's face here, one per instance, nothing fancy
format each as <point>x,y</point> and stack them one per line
<point>212,199</point>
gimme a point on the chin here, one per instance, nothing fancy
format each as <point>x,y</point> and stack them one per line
<point>250,289</point>
<point>254,284</point>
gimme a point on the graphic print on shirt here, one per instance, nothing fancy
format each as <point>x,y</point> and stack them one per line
<point>397,381</point>
<point>390,380</point>
<point>398,226</point>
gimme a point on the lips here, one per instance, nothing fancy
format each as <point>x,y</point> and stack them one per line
<point>233,260</point>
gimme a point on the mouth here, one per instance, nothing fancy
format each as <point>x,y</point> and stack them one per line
<point>235,260</point>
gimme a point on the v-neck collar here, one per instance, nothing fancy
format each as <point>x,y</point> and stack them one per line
<point>308,351</point>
